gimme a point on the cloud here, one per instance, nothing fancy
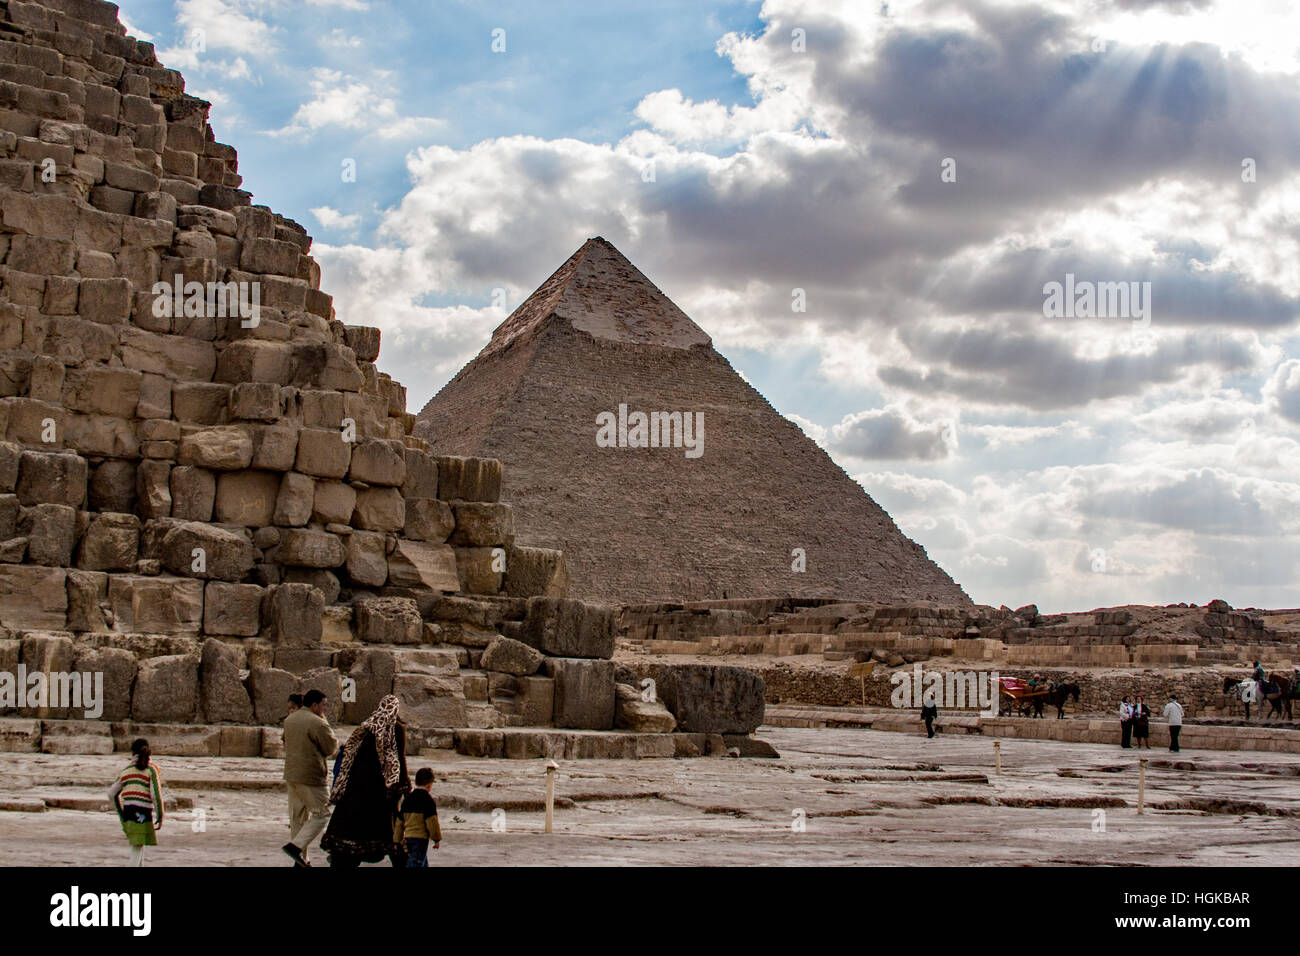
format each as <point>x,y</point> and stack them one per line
<point>890,433</point>
<point>333,219</point>
<point>344,102</point>
<point>1283,390</point>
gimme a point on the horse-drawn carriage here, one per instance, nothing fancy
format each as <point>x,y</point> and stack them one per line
<point>1023,698</point>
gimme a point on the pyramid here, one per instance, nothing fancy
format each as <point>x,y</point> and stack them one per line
<point>662,523</point>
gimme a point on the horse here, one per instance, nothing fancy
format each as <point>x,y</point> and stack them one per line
<point>1058,694</point>
<point>1286,692</point>
<point>1246,691</point>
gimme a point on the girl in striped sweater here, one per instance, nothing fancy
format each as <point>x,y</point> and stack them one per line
<point>137,795</point>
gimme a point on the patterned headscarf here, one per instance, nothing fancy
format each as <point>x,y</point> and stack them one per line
<point>383,725</point>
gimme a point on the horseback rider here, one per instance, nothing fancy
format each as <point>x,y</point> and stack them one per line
<point>1260,680</point>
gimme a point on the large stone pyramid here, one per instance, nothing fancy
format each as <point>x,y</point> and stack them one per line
<point>651,523</point>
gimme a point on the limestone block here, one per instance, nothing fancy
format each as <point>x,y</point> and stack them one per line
<point>225,555</point>
<point>642,716</point>
<point>363,340</point>
<point>293,502</point>
<point>51,531</point>
<point>568,628</point>
<point>33,597</point>
<point>421,475</point>
<point>534,572</point>
<point>203,403</point>
<point>50,654</point>
<point>103,390</point>
<point>511,657</point>
<point>224,448</point>
<point>336,624</point>
<point>247,497</point>
<point>274,447</point>
<point>388,621</point>
<point>166,689</point>
<point>429,701</point>
<point>416,564</point>
<point>379,509</point>
<point>428,519</point>
<point>111,543</point>
<point>259,401</point>
<point>153,489</point>
<point>310,548</point>
<point>88,607</point>
<point>480,570</point>
<point>333,502</point>
<point>222,692</point>
<point>51,477</point>
<point>584,693</point>
<point>155,605</point>
<point>118,666</point>
<point>469,479</point>
<point>483,524</point>
<point>378,461</point>
<point>535,703</point>
<point>193,493</point>
<point>255,360</point>
<point>323,453</point>
<point>232,609</point>
<point>706,698</point>
<point>294,614</point>
<point>270,688</point>
<point>367,561</point>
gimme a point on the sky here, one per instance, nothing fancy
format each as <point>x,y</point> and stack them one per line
<point>866,206</point>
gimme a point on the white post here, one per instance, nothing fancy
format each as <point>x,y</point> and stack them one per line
<point>997,755</point>
<point>1142,782</point>
<point>551,767</point>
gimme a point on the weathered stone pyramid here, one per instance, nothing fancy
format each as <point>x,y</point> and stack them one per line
<point>210,497</point>
<point>596,344</point>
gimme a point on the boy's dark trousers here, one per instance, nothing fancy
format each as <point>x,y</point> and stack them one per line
<point>1126,733</point>
<point>417,852</point>
<point>1173,738</point>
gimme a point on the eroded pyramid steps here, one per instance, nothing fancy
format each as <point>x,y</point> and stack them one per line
<point>210,508</point>
<point>642,524</point>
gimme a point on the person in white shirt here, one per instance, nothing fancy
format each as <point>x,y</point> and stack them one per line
<point>1125,724</point>
<point>1174,714</point>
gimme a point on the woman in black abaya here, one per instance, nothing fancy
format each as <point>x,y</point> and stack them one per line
<point>368,790</point>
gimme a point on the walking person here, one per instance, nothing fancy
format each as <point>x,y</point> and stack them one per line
<point>929,713</point>
<point>368,790</point>
<point>308,742</point>
<point>1174,714</point>
<point>137,797</point>
<point>1142,723</point>
<point>420,821</point>
<point>1125,724</point>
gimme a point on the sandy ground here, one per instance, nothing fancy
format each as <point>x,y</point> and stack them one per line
<point>863,797</point>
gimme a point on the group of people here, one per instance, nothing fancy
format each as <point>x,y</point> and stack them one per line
<point>1135,722</point>
<point>369,812</point>
<point>375,811</point>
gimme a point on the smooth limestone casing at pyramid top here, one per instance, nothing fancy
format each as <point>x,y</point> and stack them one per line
<point>641,524</point>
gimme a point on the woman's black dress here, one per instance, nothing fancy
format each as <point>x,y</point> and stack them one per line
<point>361,827</point>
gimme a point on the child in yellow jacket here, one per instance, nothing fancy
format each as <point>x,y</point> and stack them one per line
<point>420,820</point>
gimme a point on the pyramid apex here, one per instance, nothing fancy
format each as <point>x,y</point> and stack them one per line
<point>599,291</point>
